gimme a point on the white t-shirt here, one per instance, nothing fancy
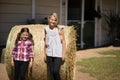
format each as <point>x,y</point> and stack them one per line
<point>53,42</point>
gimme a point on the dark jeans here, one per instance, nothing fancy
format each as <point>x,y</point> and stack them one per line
<point>21,68</point>
<point>54,64</point>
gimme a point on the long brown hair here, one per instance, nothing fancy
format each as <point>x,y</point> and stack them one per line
<point>30,37</point>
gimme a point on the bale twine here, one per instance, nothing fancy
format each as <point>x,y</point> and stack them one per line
<point>39,69</point>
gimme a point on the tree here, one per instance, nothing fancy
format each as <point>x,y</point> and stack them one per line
<point>113,21</point>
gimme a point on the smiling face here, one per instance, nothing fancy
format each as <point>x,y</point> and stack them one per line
<point>53,20</point>
<point>24,36</point>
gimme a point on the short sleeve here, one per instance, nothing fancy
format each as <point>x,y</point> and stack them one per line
<point>61,26</point>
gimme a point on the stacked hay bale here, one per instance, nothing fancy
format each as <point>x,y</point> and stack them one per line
<point>39,69</point>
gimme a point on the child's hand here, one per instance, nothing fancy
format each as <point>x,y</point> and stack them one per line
<point>12,63</point>
<point>30,64</point>
<point>63,58</point>
<point>45,59</point>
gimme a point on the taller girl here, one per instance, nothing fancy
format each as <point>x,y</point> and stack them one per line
<point>55,46</point>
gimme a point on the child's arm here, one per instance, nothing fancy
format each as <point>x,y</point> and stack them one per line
<point>12,61</point>
<point>31,53</point>
<point>13,55</point>
<point>45,59</point>
<point>31,62</point>
<point>63,44</point>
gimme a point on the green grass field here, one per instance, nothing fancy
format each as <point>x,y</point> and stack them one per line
<point>103,68</point>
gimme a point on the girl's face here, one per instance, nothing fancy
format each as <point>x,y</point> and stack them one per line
<point>52,21</point>
<point>24,35</point>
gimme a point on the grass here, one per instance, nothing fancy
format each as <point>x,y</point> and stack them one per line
<point>103,68</point>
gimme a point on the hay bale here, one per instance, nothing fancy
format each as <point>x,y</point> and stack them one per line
<point>39,69</point>
<point>2,56</point>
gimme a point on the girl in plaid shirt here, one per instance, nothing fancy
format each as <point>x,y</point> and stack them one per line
<point>22,54</point>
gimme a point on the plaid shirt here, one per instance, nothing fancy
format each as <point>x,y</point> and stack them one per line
<point>23,51</point>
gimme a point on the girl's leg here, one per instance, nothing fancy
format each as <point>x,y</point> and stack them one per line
<point>57,65</point>
<point>23,70</point>
<point>17,70</point>
<point>51,67</point>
